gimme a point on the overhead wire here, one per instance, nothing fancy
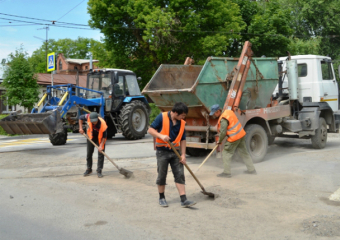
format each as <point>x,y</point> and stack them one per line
<point>70,10</point>
<point>83,27</point>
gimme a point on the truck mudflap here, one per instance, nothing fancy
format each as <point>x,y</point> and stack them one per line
<point>36,123</point>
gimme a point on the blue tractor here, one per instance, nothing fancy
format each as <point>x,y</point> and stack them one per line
<point>113,93</point>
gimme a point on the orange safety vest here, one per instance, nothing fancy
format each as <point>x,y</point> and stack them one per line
<point>102,129</point>
<point>166,131</point>
<point>235,130</point>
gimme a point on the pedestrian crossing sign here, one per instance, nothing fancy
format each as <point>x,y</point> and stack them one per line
<point>50,62</point>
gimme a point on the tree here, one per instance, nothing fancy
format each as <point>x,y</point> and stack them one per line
<point>143,34</point>
<point>20,81</point>
<point>79,48</point>
<point>269,29</point>
<point>317,18</point>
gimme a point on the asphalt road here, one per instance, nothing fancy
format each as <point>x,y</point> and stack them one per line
<point>43,194</point>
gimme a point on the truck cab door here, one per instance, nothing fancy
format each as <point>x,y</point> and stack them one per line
<point>329,85</point>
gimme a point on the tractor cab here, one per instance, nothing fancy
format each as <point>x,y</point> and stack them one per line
<point>116,84</point>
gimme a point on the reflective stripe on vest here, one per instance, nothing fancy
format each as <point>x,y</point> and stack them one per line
<point>102,129</point>
<point>235,130</point>
<point>166,131</point>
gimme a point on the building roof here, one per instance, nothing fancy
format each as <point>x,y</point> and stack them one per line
<point>79,61</point>
<point>58,79</point>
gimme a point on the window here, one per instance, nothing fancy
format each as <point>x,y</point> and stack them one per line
<point>75,68</point>
<point>133,88</point>
<point>85,67</point>
<point>326,69</point>
<point>60,65</point>
<point>302,70</point>
<point>118,88</point>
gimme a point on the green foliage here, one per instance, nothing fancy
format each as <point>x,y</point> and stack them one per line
<point>2,131</point>
<point>154,112</point>
<point>78,49</point>
<point>20,81</point>
<point>146,33</point>
<point>300,47</point>
<point>270,30</point>
<point>317,18</point>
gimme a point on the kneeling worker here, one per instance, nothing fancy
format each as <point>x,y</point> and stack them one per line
<point>169,126</point>
<point>97,132</point>
<point>228,124</point>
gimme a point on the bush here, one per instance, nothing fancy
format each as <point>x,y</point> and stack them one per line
<point>2,131</point>
<point>154,112</point>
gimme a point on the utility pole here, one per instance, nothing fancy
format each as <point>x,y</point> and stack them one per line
<point>47,28</point>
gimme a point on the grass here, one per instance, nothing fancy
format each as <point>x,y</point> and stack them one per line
<point>2,131</point>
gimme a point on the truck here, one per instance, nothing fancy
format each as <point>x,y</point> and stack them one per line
<point>292,97</point>
<point>113,93</point>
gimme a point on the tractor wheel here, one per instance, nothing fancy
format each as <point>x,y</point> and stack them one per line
<point>320,138</point>
<point>256,142</point>
<point>58,138</point>
<point>134,119</point>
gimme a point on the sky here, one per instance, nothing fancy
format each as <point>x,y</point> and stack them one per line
<point>13,36</point>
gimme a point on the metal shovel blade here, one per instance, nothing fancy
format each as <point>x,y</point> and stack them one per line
<point>126,173</point>
<point>210,194</point>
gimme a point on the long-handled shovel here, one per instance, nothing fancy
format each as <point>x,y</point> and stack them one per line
<point>212,195</point>
<point>207,158</point>
<point>122,171</point>
<point>225,138</point>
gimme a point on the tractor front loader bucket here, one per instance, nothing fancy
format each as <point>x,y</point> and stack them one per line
<point>33,123</point>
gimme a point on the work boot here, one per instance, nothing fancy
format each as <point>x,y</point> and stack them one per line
<point>99,174</point>
<point>225,175</point>
<point>87,172</point>
<point>251,172</point>
<point>163,203</point>
<point>187,203</point>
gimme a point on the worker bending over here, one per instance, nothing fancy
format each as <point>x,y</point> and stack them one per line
<point>169,126</point>
<point>97,132</point>
<point>229,125</point>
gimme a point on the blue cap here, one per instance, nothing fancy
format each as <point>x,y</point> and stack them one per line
<point>214,108</point>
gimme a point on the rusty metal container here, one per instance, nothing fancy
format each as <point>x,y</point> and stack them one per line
<point>36,123</point>
<point>200,87</point>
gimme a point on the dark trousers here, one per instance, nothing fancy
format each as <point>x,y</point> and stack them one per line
<point>90,149</point>
<point>164,158</point>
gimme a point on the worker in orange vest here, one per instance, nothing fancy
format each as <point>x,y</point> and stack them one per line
<point>169,126</point>
<point>229,125</point>
<point>97,132</point>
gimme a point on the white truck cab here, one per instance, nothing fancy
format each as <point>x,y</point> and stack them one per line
<point>316,80</point>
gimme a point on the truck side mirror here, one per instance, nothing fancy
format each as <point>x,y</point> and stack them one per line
<point>140,79</point>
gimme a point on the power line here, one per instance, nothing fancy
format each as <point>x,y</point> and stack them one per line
<point>39,19</point>
<point>75,26</point>
<point>70,10</point>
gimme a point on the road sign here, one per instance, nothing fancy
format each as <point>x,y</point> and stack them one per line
<point>51,62</point>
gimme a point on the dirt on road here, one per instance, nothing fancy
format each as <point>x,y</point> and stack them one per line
<point>287,199</point>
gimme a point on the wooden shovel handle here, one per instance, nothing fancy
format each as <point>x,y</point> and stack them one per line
<point>101,151</point>
<point>187,167</point>
<point>207,157</point>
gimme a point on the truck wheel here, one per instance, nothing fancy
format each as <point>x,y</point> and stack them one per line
<point>271,140</point>
<point>320,138</point>
<point>134,120</point>
<point>196,152</point>
<point>256,141</point>
<point>58,138</point>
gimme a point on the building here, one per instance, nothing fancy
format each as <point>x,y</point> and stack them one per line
<point>71,66</point>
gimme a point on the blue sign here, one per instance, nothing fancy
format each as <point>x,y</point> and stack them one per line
<point>50,62</point>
